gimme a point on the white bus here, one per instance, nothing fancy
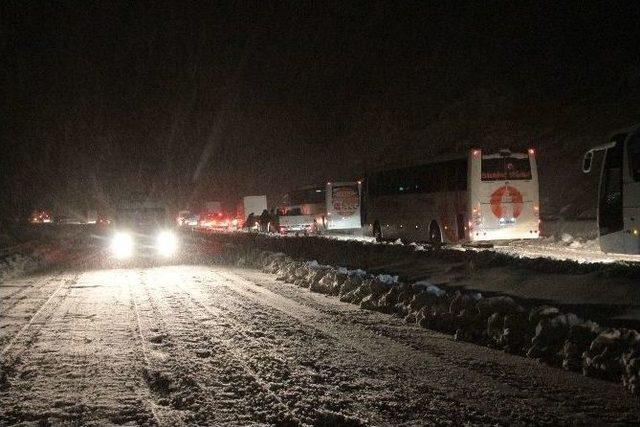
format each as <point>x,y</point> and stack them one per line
<point>343,205</point>
<point>619,192</point>
<point>473,198</point>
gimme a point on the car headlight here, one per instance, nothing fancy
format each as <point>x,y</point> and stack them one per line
<point>167,243</point>
<point>122,245</point>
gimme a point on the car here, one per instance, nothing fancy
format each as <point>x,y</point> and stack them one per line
<point>143,231</point>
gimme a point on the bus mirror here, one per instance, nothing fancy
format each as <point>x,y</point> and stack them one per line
<point>587,161</point>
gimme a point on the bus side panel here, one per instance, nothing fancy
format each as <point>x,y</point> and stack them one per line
<point>399,215</point>
<point>631,191</point>
<point>610,201</point>
<point>409,216</point>
<point>452,216</point>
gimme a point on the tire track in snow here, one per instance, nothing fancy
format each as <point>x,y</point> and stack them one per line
<point>384,368</point>
<point>228,345</point>
<point>271,363</point>
<point>10,359</point>
<point>190,384</point>
<point>145,355</point>
<point>466,376</point>
<point>11,300</point>
<point>64,285</point>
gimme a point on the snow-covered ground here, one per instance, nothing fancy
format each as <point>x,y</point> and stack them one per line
<point>229,346</point>
<point>564,240</point>
<point>569,249</point>
<point>29,249</point>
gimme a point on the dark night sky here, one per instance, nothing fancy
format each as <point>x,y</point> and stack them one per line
<point>215,102</point>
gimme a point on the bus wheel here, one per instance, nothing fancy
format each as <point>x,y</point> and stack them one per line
<point>435,236</point>
<point>377,231</point>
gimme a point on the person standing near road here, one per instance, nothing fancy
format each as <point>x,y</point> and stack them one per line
<point>265,220</point>
<point>250,222</point>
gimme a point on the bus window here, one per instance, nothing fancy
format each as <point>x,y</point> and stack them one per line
<point>506,169</point>
<point>458,177</point>
<point>633,152</point>
<point>610,217</point>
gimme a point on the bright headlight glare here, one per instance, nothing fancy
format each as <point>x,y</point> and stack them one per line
<point>167,243</point>
<point>122,245</point>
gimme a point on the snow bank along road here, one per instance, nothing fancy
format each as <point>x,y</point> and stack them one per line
<point>604,292</point>
<point>227,346</point>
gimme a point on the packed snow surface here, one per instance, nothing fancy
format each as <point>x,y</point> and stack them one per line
<point>564,240</point>
<point>218,345</point>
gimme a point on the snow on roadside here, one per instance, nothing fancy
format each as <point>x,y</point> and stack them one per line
<point>44,247</point>
<point>563,240</point>
<point>17,265</point>
<point>543,332</point>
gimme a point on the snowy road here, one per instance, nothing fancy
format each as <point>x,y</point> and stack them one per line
<point>226,346</point>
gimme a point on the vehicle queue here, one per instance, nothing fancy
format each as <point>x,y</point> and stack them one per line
<point>476,197</point>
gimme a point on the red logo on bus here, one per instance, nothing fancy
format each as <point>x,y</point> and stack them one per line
<point>506,202</point>
<point>346,200</point>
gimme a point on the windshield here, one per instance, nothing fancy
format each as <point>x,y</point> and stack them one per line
<point>509,168</point>
<point>306,196</point>
<point>142,217</point>
<point>290,212</point>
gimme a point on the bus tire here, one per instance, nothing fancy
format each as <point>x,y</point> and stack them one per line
<point>435,235</point>
<point>377,231</point>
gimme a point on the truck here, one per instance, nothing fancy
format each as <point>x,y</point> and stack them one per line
<point>254,204</point>
<point>303,211</point>
<point>251,205</point>
<point>294,221</point>
<point>143,229</point>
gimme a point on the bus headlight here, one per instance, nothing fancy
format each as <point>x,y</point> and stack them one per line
<point>122,245</point>
<point>166,243</point>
